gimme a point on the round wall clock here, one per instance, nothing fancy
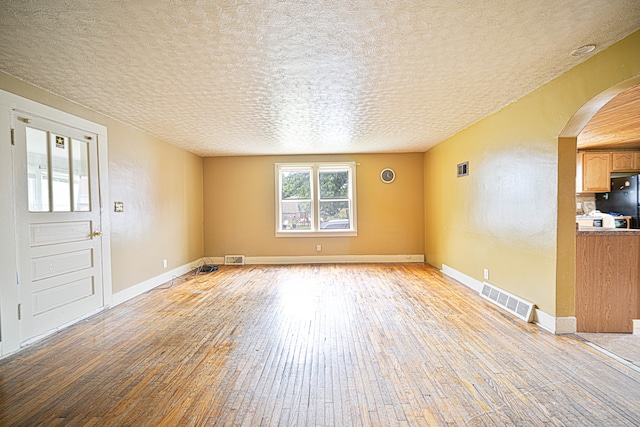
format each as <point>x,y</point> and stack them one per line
<point>387,175</point>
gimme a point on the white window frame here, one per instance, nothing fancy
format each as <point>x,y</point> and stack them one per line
<point>315,169</point>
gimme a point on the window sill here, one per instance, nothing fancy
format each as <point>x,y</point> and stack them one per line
<point>332,233</point>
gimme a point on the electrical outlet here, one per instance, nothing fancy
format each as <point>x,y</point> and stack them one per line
<point>165,263</point>
<point>318,248</point>
<point>486,274</point>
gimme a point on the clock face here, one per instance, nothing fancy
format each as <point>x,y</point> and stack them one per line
<point>387,175</point>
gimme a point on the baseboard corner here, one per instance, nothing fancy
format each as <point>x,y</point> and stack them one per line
<point>556,325</point>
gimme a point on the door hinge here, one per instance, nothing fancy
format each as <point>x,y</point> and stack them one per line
<point>17,278</point>
<point>13,136</point>
<point>19,311</point>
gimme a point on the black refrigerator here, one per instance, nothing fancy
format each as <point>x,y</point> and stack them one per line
<point>622,199</point>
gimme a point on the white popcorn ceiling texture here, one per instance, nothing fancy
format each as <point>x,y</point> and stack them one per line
<point>291,76</point>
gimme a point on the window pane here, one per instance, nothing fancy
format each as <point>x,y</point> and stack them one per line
<point>60,187</point>
<point>296,215</point>
<point>38,171</point>
<point>334,214</point>
<point>296,184</point>
<point>334,184</point>
<point>80,159</point>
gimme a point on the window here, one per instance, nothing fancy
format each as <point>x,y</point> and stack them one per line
<point>315,199</point>
<point>58,169</point>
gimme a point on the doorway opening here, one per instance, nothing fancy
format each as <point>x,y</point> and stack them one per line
<point>571,138</point>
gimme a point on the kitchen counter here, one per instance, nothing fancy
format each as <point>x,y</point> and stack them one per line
<point>607,279</point>
<point>601,231</point>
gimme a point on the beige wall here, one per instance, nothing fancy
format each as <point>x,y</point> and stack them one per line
<point>240,204</point>
<point>160,185</point>
<point>514,213</point>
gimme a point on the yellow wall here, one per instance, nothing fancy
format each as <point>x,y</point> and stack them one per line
<point>240,204</point>
<point>160,185</point>
<point>505,215</point>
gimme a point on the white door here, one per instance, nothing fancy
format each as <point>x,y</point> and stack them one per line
<point>57,224</point>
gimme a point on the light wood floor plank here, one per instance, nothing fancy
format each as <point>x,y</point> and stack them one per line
<point>314,345</point>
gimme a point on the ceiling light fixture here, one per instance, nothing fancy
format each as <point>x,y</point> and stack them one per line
<point>582,50</point>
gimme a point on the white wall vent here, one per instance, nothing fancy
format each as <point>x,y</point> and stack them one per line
<point>234,260</point>
<point>513,304</point>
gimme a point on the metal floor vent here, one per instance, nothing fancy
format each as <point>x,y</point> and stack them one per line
<point>513,304</point>
<point>234,260</point>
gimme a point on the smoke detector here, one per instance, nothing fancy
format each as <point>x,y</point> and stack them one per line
<point>583,50</point>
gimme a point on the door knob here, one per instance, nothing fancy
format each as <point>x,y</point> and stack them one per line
<point>97,233</point>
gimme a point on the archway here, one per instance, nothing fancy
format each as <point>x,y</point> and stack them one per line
<point>566,232</point>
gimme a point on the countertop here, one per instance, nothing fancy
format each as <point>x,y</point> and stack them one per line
<point>601,231</point>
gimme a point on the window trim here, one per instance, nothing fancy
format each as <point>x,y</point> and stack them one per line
<point>315,168</point>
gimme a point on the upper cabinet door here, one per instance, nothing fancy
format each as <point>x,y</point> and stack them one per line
<point>622,161</point>
<point>593,172</point>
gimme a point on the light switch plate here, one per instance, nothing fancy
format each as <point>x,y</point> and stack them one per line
<point>118,206</point>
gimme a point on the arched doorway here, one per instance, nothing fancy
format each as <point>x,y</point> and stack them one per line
<point>567,146</point>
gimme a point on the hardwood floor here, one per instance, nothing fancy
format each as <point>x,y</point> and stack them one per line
<point>335,345</point>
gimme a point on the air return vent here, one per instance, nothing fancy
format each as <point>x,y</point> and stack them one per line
<point>234,260</point>
<point>513,304</point>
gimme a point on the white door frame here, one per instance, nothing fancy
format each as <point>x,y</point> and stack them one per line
<point>9,296</point>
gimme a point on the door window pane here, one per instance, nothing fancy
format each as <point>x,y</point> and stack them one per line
<point>60,185</point>
<point>80,161</point>
<point>37,170</point>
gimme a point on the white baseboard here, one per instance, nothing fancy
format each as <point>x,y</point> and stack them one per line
<point>545,321</point>
<point>468,281</point>
<point>553,324</point>
<point>147,285</point>
<point>556,325</point>
<point>326,259</point>
<point>566,325</point>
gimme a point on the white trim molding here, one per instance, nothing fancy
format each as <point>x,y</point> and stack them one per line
<point>556,325</point>
<point>154,282</point>
<point>553,324</point>
<point>326,259</point>
<point>566,325</point>
<point>468,281</point>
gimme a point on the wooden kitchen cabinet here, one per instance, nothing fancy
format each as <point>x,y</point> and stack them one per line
<point>622,161</point>
<point>636,161</point>
<point>593,172</point>
<point>625,161</point>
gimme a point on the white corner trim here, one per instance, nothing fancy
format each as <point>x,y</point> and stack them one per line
<point>329,259</point>
<point>555,325</point>
<point>468,281</point>
<point>566,325</point>
<point>147,285</point>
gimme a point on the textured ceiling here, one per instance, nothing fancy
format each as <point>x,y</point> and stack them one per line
<point>291,76</point>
